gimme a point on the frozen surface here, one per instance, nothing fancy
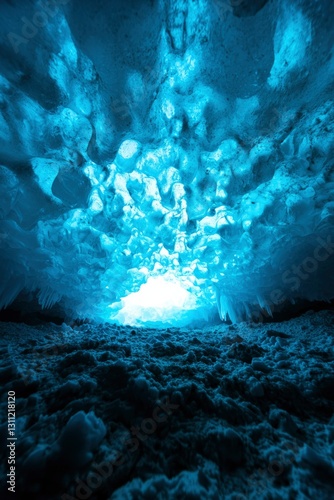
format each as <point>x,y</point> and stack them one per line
<point>185,142</point>
<point>246,412</point>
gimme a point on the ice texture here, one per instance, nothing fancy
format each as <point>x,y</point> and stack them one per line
<point>194,153</point>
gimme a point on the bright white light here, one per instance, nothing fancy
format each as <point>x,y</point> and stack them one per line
<point>160,300</point>
<point>160,294</point>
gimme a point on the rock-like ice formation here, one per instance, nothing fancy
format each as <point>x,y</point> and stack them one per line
<point>193,149</point>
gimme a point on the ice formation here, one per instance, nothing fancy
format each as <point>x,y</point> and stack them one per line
<point>191,149</point>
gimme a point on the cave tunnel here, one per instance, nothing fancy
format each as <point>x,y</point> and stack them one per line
<point>167,249</point>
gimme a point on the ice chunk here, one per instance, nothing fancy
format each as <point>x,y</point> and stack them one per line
<point>46,172</point>
<point>127,155</point>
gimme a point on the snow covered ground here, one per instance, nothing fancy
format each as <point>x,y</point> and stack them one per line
<point>225,412</point>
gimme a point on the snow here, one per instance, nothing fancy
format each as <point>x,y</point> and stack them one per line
<point>224,411</point>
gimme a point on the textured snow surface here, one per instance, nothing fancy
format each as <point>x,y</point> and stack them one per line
<point>228,412</point>
<point>188,141</point>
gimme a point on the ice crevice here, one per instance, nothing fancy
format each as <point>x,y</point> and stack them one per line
<point>166,185</point>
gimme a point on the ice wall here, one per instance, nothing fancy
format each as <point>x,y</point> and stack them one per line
<point>183,144</point>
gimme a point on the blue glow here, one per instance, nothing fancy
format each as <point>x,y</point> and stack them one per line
<point>183,164</point>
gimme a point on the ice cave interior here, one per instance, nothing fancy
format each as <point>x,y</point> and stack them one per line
<point>166,162</point>
<point>167,249</point>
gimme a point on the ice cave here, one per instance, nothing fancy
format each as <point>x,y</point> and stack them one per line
<point>167,249</point>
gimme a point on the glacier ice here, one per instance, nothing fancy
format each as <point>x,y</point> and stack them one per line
<point>176,172</point>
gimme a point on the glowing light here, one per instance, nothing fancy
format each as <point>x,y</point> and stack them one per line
<point>161,300</point>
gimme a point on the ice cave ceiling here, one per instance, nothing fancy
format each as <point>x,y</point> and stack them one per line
<point>160,158</point>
